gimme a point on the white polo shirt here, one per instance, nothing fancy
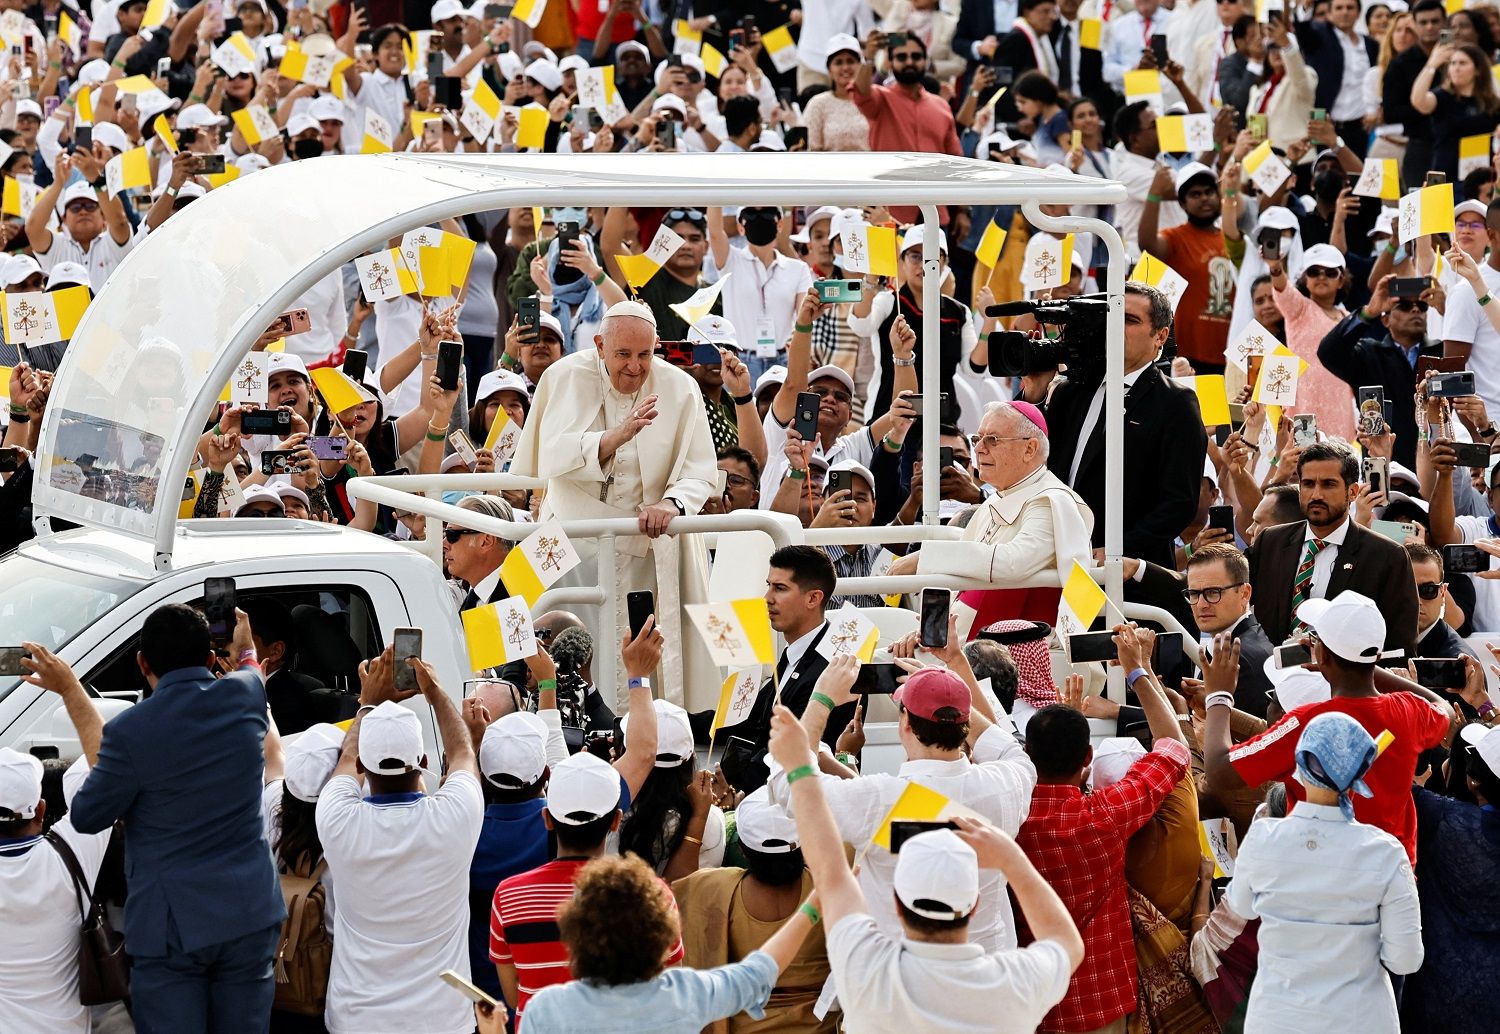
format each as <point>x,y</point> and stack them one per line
<point>402,866</point>
<point>101,256</point>
<point>901,986</point>
<point>1465,321</point>
<point>761,301</point>
<point>384,94</point>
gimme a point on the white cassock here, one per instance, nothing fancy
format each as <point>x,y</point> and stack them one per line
<point>1038,524</point>
<point>673,458</point>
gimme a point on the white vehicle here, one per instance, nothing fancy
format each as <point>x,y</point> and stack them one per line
<point>144,370</point>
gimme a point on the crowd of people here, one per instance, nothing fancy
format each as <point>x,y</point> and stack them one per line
<point>1289,827</point>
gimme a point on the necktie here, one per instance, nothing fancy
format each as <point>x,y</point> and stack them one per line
<point>1302,583</point>
<point>470,601</point>
<point>1065,60</point>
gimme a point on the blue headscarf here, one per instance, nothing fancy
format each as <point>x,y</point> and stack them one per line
<point>1334,753</point>
<point>574,303</point>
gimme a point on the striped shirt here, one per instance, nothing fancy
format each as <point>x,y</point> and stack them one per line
<point>524,931</point>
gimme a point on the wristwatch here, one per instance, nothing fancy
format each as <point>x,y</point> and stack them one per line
<point>641,682</point>
<point>100,183</point>
<point>681,510</point>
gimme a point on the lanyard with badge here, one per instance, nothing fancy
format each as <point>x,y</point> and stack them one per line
<point>766,344</point>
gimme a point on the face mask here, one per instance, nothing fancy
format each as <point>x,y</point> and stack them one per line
<point>307,148</point>
<point>760,230</point>
<point>1328,185</point>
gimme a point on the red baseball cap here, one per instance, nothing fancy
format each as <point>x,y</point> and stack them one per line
<point>926,692</point>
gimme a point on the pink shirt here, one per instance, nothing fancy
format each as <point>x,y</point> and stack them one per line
<point>900,123</point>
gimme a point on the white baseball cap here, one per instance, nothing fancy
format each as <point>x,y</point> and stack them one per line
<point>1471,207</point>
<point>547,321</point>
<point>326,108</point>
<point>265,494</point>
<point>285,362</point>
<point>817,215</point>
<point>544,72</point>
<point>286,490</point>
<point>536,48</point>
<point>19,267</point>
<point>764,827</point>
<point>513,752</point>
<point>301,123</point>
<point>840,42</point>
<point>1475,735</point>
<point>937,875</point>
<point>1350,625</point>
<point>1190,170</point>
<point>111,135</point>
<point>858,468</point>
<point>1323,255</point>
<point>674,734</point>
<point>152,103</point>
<point>1113,758</point>
<point>639,48</point>
<point>501,380</point>
<point>94,72</point>
<point>670,100</point>
<point>511,65</point>
<point>390,738</point>
<point>582,789</point>
<point>78,191</point>
<point>1295,686</point>
<point>251,162</point>
<point>311,759</point>
<point>1385,223</point>
<point>198,116</point>
<point>20,783</point>
<point>774,377</point>
<point>445,9</point>
<point>29,107</point>
<point>714,330</point>
<point>913,239</point>
<point>573,63</point>
<point>838,373</point>
<point>770,140</point>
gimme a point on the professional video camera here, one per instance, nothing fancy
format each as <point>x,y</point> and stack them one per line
<point>1080,346</point>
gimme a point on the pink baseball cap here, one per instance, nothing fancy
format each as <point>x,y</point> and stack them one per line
<point>928,691</point>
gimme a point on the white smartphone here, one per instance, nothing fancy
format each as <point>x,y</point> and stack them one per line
<point>465,448</point>
<point>468,990</point>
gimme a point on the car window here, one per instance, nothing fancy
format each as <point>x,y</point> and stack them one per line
<point>48,604</point>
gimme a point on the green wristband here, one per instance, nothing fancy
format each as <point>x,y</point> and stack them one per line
<point>797,475</point>
<point>600,278</point>
<point>1153,199</point>
<point>822,698</point>
<point>542,685</point>
<point>802,328</point>
<point>813,915</point>
<point>799,773</point>
<point>436,437</point>
<point>1484,301</point>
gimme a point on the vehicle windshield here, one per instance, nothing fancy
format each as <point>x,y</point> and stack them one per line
<point>47,604</point>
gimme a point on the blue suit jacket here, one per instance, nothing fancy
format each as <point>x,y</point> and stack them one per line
<point>1320,47</point>
<point>184,769</point>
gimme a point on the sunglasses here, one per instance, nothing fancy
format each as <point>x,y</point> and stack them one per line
<point>1410,304</point>
<point>691,215</point>
<point>82,205</point>
<point>454,534</point>
<point>1429,590</point>
<point>1324,272</point>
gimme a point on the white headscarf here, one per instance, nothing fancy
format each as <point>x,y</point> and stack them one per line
<point>1253,267</point>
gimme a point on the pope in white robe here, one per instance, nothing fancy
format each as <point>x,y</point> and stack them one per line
<point>1033,523</point>
<point>617,432</point>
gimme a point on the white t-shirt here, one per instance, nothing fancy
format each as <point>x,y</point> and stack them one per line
<point>1486,590</point>
<point>760,299</point>
<point>101,256</point>
<point>858,446</point>
<point>905,986</point>
<point>1465,321</point>
<point>41,914</point>
<point>324,302</point>
<point>402,865</point>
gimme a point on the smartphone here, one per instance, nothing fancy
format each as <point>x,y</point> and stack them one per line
<point>447,93</point>
<point>1439,364</point>
<point>1439,672</point>
<point>356,362</point>
<point>877,679</point>
<point>915,398</point>
<point>1461,559</point>
<point>83,138</point>
<point>1319,115</point>
<point>162,67</point>
<point>1221,517</point>
<point>1434,178</point>
<point>1159,49</point>
<point>640,606</point>
<point>408,643</point>
<point>896,39</point>
<point>1092,646</point>
<point>1269,240</point>
<point>567,234</point>
<point>945,457</point>
<point>10,460</point>
<point>464,447</point>
<point>839,290</point>
<point>705,354</point>
<point>450,359</point>
<point>10,660</point>
<point>736,38</point>
<point>806,418</point>
<point>328,447</point>
<point>434,61</point>
<point>1237,413</point>
<point>1377,473</point>
<point>1293,655</point>
<point>903,830</point>
<point>1471,454</point>
<point>1451,385</point>
<point>218,606</point>
<point>1351,179</point>
<point>297,321</point>
<point>1445,37</point>
<point>276,461</point>
<point>935,604</point>
<point>838,481</point>
<point>494,12</point>
<point>1005,75</point>
<point>666,132</point>
<point>432,132</point>
<point>1304,429</point>
<point>674,60</point>
<point>266,421</point>
<point>455,981</point>
<point>529,317</point>
<point>1257,126</point>
<point>580,116</point>
<point>189,489</point>
<point>211,164</point>
<point>1409,286</point>
<point>1166,655</point>
<point>678,353</point>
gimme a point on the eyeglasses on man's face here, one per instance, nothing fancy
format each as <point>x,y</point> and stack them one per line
<point>1210,593</point>
<point>986,442</point>
<point>454,534</point>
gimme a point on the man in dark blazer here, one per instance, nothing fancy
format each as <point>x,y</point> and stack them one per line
<point>1325,56</point>
<point>1026,47</point>
<point>184,768</point>
<point>977,33</point>
<point>1081,69</point>
<point>1350,556</point>
<point>799,584</point>
<point>1165,443</point>
<point>476,556</point>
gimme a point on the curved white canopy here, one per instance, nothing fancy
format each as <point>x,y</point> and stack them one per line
<point>149,360</point>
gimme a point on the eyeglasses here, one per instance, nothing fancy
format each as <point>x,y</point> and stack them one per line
<point>1469,224</point>
<point>1429,590</point>
<point>1409,305</point>
<point>454,534</point>
<point>837,396</point>
<point>691,215</point>
<point>1324,272</point>
<point>82,205</point>
<point>738,481</point>
<point>907,59</point>
<point>1211,594</point>
<point>986,442</point>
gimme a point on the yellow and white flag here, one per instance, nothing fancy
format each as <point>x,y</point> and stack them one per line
<point>534,564</point>
<point>1473,153</point>
<point>638,269</point>
<point>384,276</point>
<point>700,302</point>
<point>1267,171</point>
<point>255,124</point>
<point>235,56</point>
<point>778,43</point>
<point>18,196</point>
<point>529,11</point>
<point>229,175</point>
<point>1082,600</point>
<point>43,317</point>
<point>481,111</point>
<point>1048,263</point>
<point>1091,34</point>
<point>69,32</point>
<point>1144,84</point>
<point>713,60</point>
<point>1381,178</point>
<point>1152,270</point>
<point>503,437</point>
<point>736,699</point>
<point>1213,398</point>
<point>1425,211</point>
<point>156,14</point>
<point>919,804</point>
<point>1186,134</point>
<point>127,171</point>
<point>1253,340</point>
<point>685,38</point>
<point>379,136</point>
<point>849,631</point>
<point>988,252</point>
<point>340,391</point>
<point>312,69</point>
<point>1280,371</point>
<point>870,249</point>
<point>531,129</point>
<point>498,633</point>
<point>164,133</point>
<point>737,633</point>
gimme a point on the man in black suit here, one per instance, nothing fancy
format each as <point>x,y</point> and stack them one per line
<point>798,587</point>
<point>475,557</point>
<point>1430,16</point>
<point>1371,346</point>
<point>981,23</point>
<point>1080,70</point>
<point>1164,439</point>
<point>1340,81</point>
<point>1326,553</point>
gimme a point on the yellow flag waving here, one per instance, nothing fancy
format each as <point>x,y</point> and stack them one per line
<point>918,804</point>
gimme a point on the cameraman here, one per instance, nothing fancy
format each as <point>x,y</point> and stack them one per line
<point>1165,443</point>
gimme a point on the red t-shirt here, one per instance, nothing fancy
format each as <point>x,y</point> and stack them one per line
<point>523,926</point>
<point>1197,254</point>
<point>588,15</point>
<point>1416,724</point>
